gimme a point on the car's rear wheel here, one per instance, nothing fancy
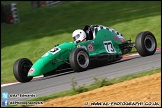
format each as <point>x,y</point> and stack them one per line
<point>79,60</point>
<point>21,68</point>
<point>145,43</point>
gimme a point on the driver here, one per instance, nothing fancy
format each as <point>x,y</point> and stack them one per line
<point>79,36</point>
<point>82,35</point>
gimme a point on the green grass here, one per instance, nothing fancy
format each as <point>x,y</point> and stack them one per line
<point>41,28</point>
<point>97,84</point>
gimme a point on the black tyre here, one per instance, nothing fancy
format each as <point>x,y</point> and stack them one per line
<point>79,60</point>
<point>21,68</point>
<point>145,43</point>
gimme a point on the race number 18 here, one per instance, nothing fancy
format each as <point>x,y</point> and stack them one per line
<point>109,47</point>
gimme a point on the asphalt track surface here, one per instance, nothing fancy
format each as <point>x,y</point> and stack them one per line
<point>57,83</point>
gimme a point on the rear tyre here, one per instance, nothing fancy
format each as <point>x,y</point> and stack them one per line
<point>21,68</point>
<point>145,43</point>
<point>79,60</point>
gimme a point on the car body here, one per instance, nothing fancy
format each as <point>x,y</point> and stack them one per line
<point>104,43</point>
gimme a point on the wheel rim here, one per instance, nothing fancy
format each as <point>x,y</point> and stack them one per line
<point>82,59</point>
<point>149,43</point>
<point>25,68</point>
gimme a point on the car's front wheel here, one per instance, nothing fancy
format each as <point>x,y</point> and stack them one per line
<point>21,68</point>
<point>79,60</point>
<point>145,43</point>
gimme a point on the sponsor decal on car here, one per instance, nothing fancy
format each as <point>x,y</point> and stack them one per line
<point>90,48</point>
<point>122,40</point>
<point>31,71</point>
<point>116,37</point>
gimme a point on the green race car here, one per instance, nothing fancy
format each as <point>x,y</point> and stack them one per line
<point>102,43</point>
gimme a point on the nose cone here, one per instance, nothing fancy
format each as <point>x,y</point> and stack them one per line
<point>38,68</point>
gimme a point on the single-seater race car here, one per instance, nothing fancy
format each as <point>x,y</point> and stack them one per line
<point>103,43</point>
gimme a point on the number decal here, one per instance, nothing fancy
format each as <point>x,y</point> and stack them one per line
<point>109,47</point>
<point>55,50</point>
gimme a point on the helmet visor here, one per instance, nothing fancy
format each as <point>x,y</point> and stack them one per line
<point>76,37</point>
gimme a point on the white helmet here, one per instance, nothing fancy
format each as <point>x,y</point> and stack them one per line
<point>78,35</point>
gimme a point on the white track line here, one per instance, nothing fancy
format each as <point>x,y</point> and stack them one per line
<point>3,85</point>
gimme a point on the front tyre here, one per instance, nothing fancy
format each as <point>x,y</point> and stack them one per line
<point>21,68</point>
<point>79,60</point>
<point>145,43</point>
